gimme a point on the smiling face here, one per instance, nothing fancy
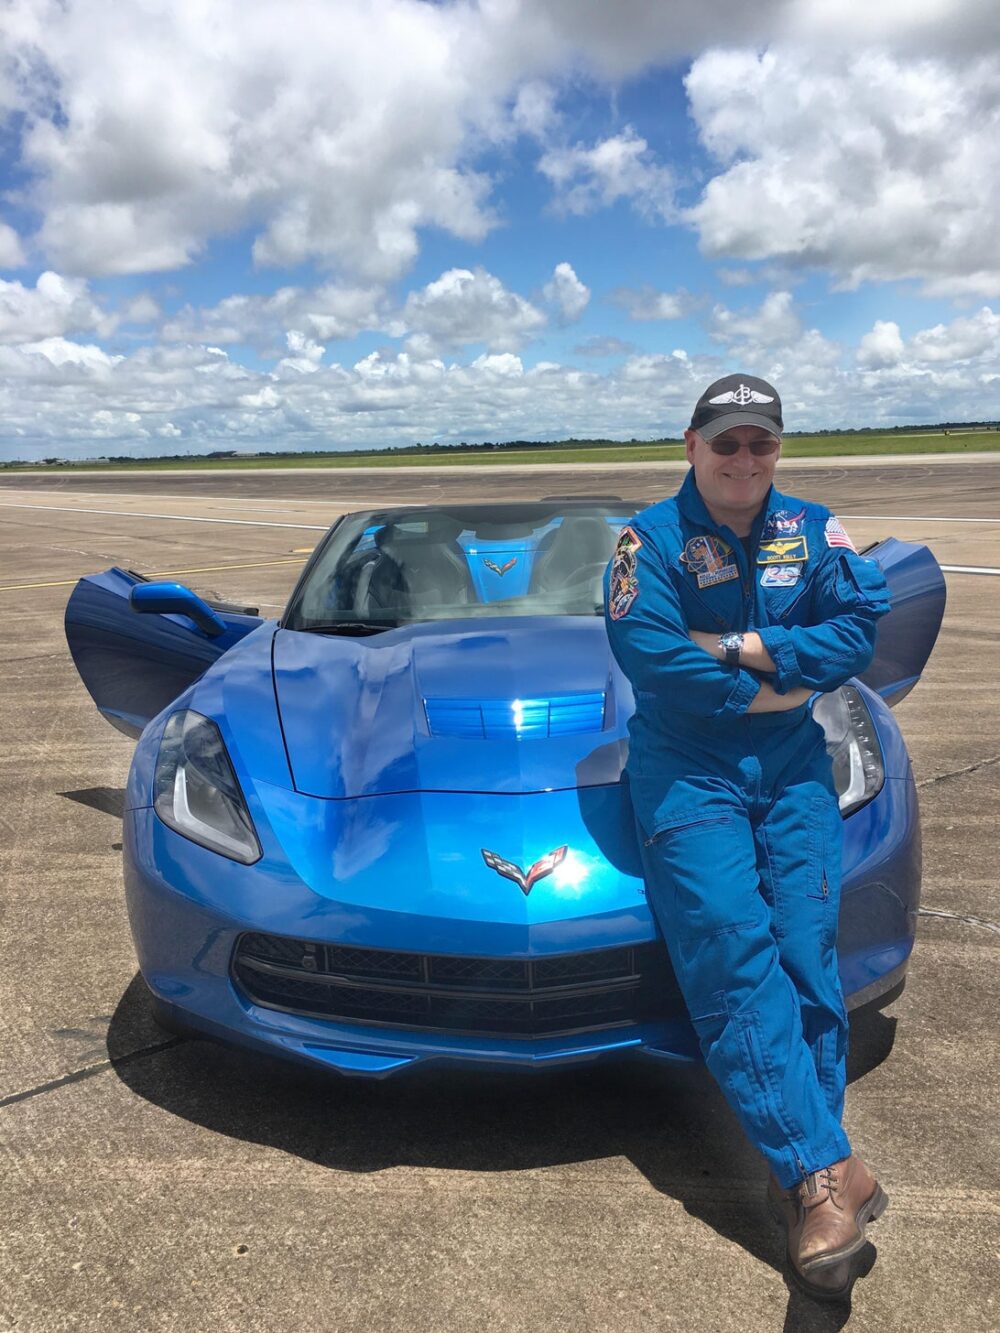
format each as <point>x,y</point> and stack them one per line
<point>733,488</point>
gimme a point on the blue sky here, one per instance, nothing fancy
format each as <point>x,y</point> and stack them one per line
<point>317,225</point>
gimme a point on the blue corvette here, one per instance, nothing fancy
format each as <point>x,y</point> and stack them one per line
<point>391,827</point>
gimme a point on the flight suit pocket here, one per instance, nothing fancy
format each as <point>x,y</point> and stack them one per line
<point>823,867</point>
<point>686,825</point>
<point>861,584</point>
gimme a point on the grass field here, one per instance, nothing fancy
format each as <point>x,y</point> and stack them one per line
<point>798,446</point>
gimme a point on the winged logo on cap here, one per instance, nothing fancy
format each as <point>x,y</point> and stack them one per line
<point>742,396</point>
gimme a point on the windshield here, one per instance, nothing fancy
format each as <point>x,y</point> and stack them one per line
<point>392,567</point>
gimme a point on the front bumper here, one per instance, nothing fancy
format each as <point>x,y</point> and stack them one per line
<point>188,909</point>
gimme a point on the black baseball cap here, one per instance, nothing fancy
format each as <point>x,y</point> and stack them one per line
<point>737,400</point>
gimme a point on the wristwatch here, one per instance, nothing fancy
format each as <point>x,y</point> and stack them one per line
<point>731,644</point>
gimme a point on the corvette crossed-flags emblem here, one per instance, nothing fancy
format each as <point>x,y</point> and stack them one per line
<point>524,879</point>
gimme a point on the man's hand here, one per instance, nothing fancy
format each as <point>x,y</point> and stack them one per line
<point>753,653</point>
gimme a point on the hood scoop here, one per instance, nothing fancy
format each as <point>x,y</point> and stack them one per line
<point>510,706</point>
<point>483,719</point>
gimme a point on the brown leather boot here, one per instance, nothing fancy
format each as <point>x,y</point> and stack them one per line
<point>834,1206</point>
<point>829,1284</point>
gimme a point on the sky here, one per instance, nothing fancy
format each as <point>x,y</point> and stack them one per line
<point>342,224</point>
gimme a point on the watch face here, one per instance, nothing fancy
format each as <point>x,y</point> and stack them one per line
<point>732,640</point>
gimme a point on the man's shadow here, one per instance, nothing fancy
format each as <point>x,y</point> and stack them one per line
<point>670,1121</point>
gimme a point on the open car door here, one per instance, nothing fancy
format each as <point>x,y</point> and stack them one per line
<point>135,664</point>
<point>908,633</point>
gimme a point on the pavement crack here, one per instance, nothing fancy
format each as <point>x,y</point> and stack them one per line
<point>960,772</point>
<point>957,916</point>
<point>88,1071</point>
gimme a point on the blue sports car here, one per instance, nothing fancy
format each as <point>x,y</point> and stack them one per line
<point>391,827</point>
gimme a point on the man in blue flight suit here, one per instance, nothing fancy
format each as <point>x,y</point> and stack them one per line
<point>728,606</point>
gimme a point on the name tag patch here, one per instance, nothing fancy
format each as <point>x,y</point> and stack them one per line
<point>781,576</point>
<point>709,558</point>
<point>783,551</point>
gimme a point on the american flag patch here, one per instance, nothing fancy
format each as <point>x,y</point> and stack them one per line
<point>836,534</point>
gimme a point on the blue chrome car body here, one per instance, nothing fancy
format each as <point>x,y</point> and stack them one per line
<point>378,770</point>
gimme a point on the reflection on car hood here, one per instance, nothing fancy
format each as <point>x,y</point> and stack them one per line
<point>515,705</point>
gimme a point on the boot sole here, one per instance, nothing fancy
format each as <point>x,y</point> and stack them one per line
<point>869,1211</point>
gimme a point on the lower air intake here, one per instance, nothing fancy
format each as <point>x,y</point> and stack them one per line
<point>524,997</point>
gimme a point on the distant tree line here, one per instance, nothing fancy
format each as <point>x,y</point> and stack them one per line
<point>219,455</point>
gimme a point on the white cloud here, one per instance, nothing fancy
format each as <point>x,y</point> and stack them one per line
<point>463,306</point>
<point>875,168</point>
<point>306,354</point>
<point>55,305</point>
<point>646,303</point>
<point>325,313</point>
<point>964,339</point>
<point>58,396</point>
<point>882,346</point>
<point>566,292</point>
<point>622,167</point>
<point>774,324</point>
<point>333,135</point>
<point>968,342</point>
<point>11,250</point>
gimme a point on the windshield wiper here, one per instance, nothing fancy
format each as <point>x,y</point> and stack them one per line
<point>352,626</point>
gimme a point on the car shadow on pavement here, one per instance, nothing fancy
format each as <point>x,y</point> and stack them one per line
<point>109,800</point>
<point>669,1120</point>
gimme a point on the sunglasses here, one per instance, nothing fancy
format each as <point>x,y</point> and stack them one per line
<point>759,448</point>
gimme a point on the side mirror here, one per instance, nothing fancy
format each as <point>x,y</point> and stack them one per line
<point>175,599</point>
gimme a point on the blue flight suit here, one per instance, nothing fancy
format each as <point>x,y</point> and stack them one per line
<point>737,813</point>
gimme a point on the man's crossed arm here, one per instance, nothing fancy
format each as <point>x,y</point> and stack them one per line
<point>755,656</point>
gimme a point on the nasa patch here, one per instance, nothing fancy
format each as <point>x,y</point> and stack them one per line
<point>783,523</point>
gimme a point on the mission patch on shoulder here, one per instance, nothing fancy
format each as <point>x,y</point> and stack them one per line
<point>624,585</point>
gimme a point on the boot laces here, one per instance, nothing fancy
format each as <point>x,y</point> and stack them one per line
<point>816,1181</point>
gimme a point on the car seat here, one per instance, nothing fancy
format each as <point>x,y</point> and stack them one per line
<point>578,553</point>
<point>414,572</point>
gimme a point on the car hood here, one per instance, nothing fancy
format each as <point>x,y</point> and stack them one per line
<point>516,705</point>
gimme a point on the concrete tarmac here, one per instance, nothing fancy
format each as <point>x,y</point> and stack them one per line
<point>159,1183</point>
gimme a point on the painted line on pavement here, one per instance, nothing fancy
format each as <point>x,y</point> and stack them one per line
<point>176,518</point>
<point>913,518</point>
<point>161,574</point>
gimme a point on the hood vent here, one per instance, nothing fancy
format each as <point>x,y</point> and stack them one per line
<point>485,719</point>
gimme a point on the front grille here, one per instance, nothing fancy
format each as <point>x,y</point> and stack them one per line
<point>524,997</point>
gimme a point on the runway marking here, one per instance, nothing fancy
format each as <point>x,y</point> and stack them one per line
<point>176,518</point>
<point>161,574</point>
<point>913,518</point>
<point>969,569</point>
<point>239,502</point>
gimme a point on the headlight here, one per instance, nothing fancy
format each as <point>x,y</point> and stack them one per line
<point>195,791</point>
<point>852,745</point>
